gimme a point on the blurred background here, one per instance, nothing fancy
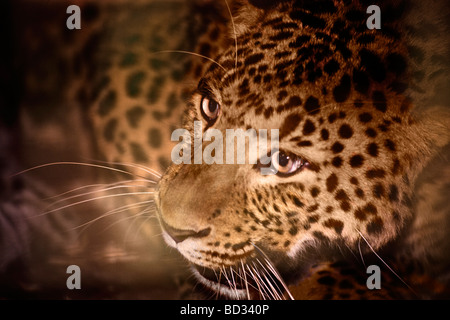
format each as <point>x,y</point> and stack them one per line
<point>49,78</point>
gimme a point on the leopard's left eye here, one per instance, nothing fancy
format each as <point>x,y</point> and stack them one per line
<point>210,109</point>
<point>286,164</point>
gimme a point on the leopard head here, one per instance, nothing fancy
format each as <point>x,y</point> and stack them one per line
<point>350,144</point>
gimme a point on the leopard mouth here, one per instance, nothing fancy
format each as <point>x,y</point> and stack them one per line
<point>249,280</point>
<point>223,282</point>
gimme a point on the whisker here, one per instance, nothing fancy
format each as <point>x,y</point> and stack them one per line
<point>390,269</point>
<point>269,284</point>
<point>260,290</point>
<point>263,284</point>
<point>116,211</point>
<point>267,291</point>
<point>136,217</point>
<point>360,253</point>
<point>234,282</point>
<point>272,280</point>
<point>93,192</point>
<point>243,276</point>
<point>235,35</point>
<point>86,225</point>
<point>350,250</point>
<point>230,284</point>
<point>238,273</point>
<point>218,281</point>
<point>277,294</point>
<point>72,163</point>
<point>194,54</point>
<point>278,276</point>
<point>151,211</point>
<point>245,280</point>
<point>94,199</point>
<point>77,189</point>
<point>222,271</point>
<point>273,269</point>
<point>136,166</point>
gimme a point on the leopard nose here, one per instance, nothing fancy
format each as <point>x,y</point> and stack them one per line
<point>179,235</point>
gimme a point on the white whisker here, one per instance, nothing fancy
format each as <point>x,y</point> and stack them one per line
<point>194,54</point>
<point>267,283</point>
<point>136,218</point>
<point>94,199</point>
<point>272,280</point>
<point>136,166</point>
<point>239,275</point>
<point>72,163</point>
<point>273,269</point>
<point>360,253</point>
<point>97,185</point>
<point>235,35</point>
<point>115,211</point>
<point>257,281</point>
<point>245,279</point>
<point>242,274</point>
<point>223,271</point>
<point>152,216</point>
<point>234,282</point>
<point>94,192</point>
<point>390,269</point>
<point>230,284</point>
<point>219,278</point>
<point>266,288</point>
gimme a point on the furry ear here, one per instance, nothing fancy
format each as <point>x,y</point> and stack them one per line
<point>245,16</point>
<point>248,12</point>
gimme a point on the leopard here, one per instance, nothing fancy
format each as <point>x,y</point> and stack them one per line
<point>360,176</point>
<point>351,147</point>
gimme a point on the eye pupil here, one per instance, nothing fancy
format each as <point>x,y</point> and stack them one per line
<point>212,106</point>
<point>283,159</point>
<point>210,109</point>
<point>285,163</point>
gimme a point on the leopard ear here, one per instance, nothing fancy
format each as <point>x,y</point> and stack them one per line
<point>247,13</point>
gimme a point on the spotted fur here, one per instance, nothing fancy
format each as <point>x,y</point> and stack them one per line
<point>341,96</point>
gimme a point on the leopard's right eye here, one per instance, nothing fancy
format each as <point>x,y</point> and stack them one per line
<point>210,109</point>
<point>286,164</point>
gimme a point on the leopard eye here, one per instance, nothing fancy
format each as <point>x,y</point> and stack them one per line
<point>210,109</point>
<point>286,164</point>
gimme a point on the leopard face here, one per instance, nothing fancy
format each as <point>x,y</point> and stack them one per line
<point>349,146</point>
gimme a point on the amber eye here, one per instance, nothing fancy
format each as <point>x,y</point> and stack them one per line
<point>286,164</point>
<point>210,109</point>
